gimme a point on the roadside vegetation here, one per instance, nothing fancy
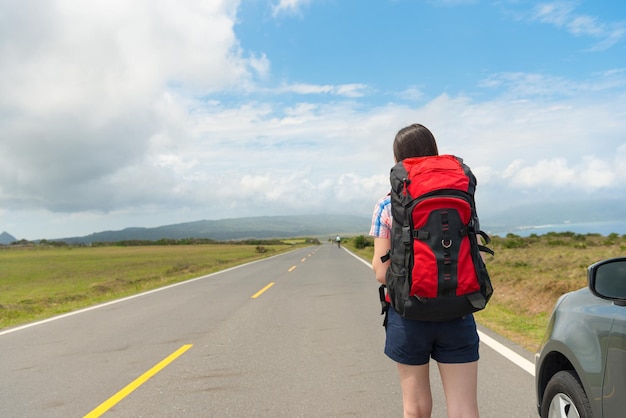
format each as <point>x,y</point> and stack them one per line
<point>44,279</point>
<point>39,280</point>
<point>529,274</point>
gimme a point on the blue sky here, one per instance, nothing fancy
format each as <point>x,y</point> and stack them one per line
<point>116,114</point>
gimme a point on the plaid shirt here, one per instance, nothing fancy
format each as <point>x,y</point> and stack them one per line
<point>381,219</point>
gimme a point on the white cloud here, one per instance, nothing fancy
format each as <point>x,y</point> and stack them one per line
<point>412,93</point>
<point>66,55</point>
<point>563,14</point>
<point>597,173</point>
<point>521,86</point>
<point>350,90</point>
<point>557,13</point>
<point>288,6</point>
<point>261,65</point>
<point>588,174</point>
<point>88,89</point>
<point>345,90</point>
<point>553,172</point>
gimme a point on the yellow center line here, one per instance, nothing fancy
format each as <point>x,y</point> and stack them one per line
<point>260,292</point>
<point>113,400</point>
<point>291,269</point>
<point>303,260</point>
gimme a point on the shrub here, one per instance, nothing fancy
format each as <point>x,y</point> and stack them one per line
<point>513,241</point>
<point>612,239</point>
<point>361,242</point>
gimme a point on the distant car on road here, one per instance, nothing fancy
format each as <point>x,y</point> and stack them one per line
<point>581,365</point>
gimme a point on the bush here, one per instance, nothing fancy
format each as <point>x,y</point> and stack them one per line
<point>513,241</point>
<point>612,239</point>
<point>361,242</point>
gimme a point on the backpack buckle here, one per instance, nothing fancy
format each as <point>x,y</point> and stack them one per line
<point>421,234</point>
<point>406,235</point>
<point>446,243</point>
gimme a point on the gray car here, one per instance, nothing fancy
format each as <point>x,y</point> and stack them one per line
<point>581,365</point>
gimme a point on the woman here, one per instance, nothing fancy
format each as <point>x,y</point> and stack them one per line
<point>411,344</point>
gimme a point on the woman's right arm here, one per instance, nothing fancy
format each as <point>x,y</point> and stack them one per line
<point>381,247</point>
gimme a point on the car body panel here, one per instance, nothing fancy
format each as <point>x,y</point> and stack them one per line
<point>614,393</point>
<point>586,334</point>
<point>579,331</point>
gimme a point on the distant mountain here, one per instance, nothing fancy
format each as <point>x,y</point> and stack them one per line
<point>6,238</point>
<point>265,227</point>
<point>537,216</point>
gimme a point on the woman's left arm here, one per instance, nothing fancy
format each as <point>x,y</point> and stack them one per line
<point>381,247</point>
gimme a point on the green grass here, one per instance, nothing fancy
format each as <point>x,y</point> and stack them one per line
<point>40,281</point>
<point>529,274</point>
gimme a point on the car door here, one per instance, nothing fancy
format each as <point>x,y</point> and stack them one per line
<point>614,385</point>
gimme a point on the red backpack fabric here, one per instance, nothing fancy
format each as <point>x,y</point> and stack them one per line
<point>436,271</point>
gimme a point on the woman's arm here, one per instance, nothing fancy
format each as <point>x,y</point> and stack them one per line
<point>381,246</point>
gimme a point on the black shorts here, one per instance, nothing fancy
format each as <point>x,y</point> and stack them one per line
<point>415,342</point>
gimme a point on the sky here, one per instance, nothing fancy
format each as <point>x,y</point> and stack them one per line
<point>144,113</point>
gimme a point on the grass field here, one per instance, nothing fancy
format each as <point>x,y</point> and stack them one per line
<point>41,281</point>
<point>529,274</point>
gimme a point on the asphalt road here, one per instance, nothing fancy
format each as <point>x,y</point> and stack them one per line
<point>308,345</point>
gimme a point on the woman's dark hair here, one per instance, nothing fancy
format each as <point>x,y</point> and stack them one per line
<point>414,141</point>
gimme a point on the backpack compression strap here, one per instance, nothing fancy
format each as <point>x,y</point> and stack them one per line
<point>487,241</point>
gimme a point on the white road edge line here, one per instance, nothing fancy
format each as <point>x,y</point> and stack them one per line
<point>498,347</point>
<point>509,354</point>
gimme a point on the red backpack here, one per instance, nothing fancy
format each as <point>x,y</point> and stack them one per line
<point>436,271</point>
